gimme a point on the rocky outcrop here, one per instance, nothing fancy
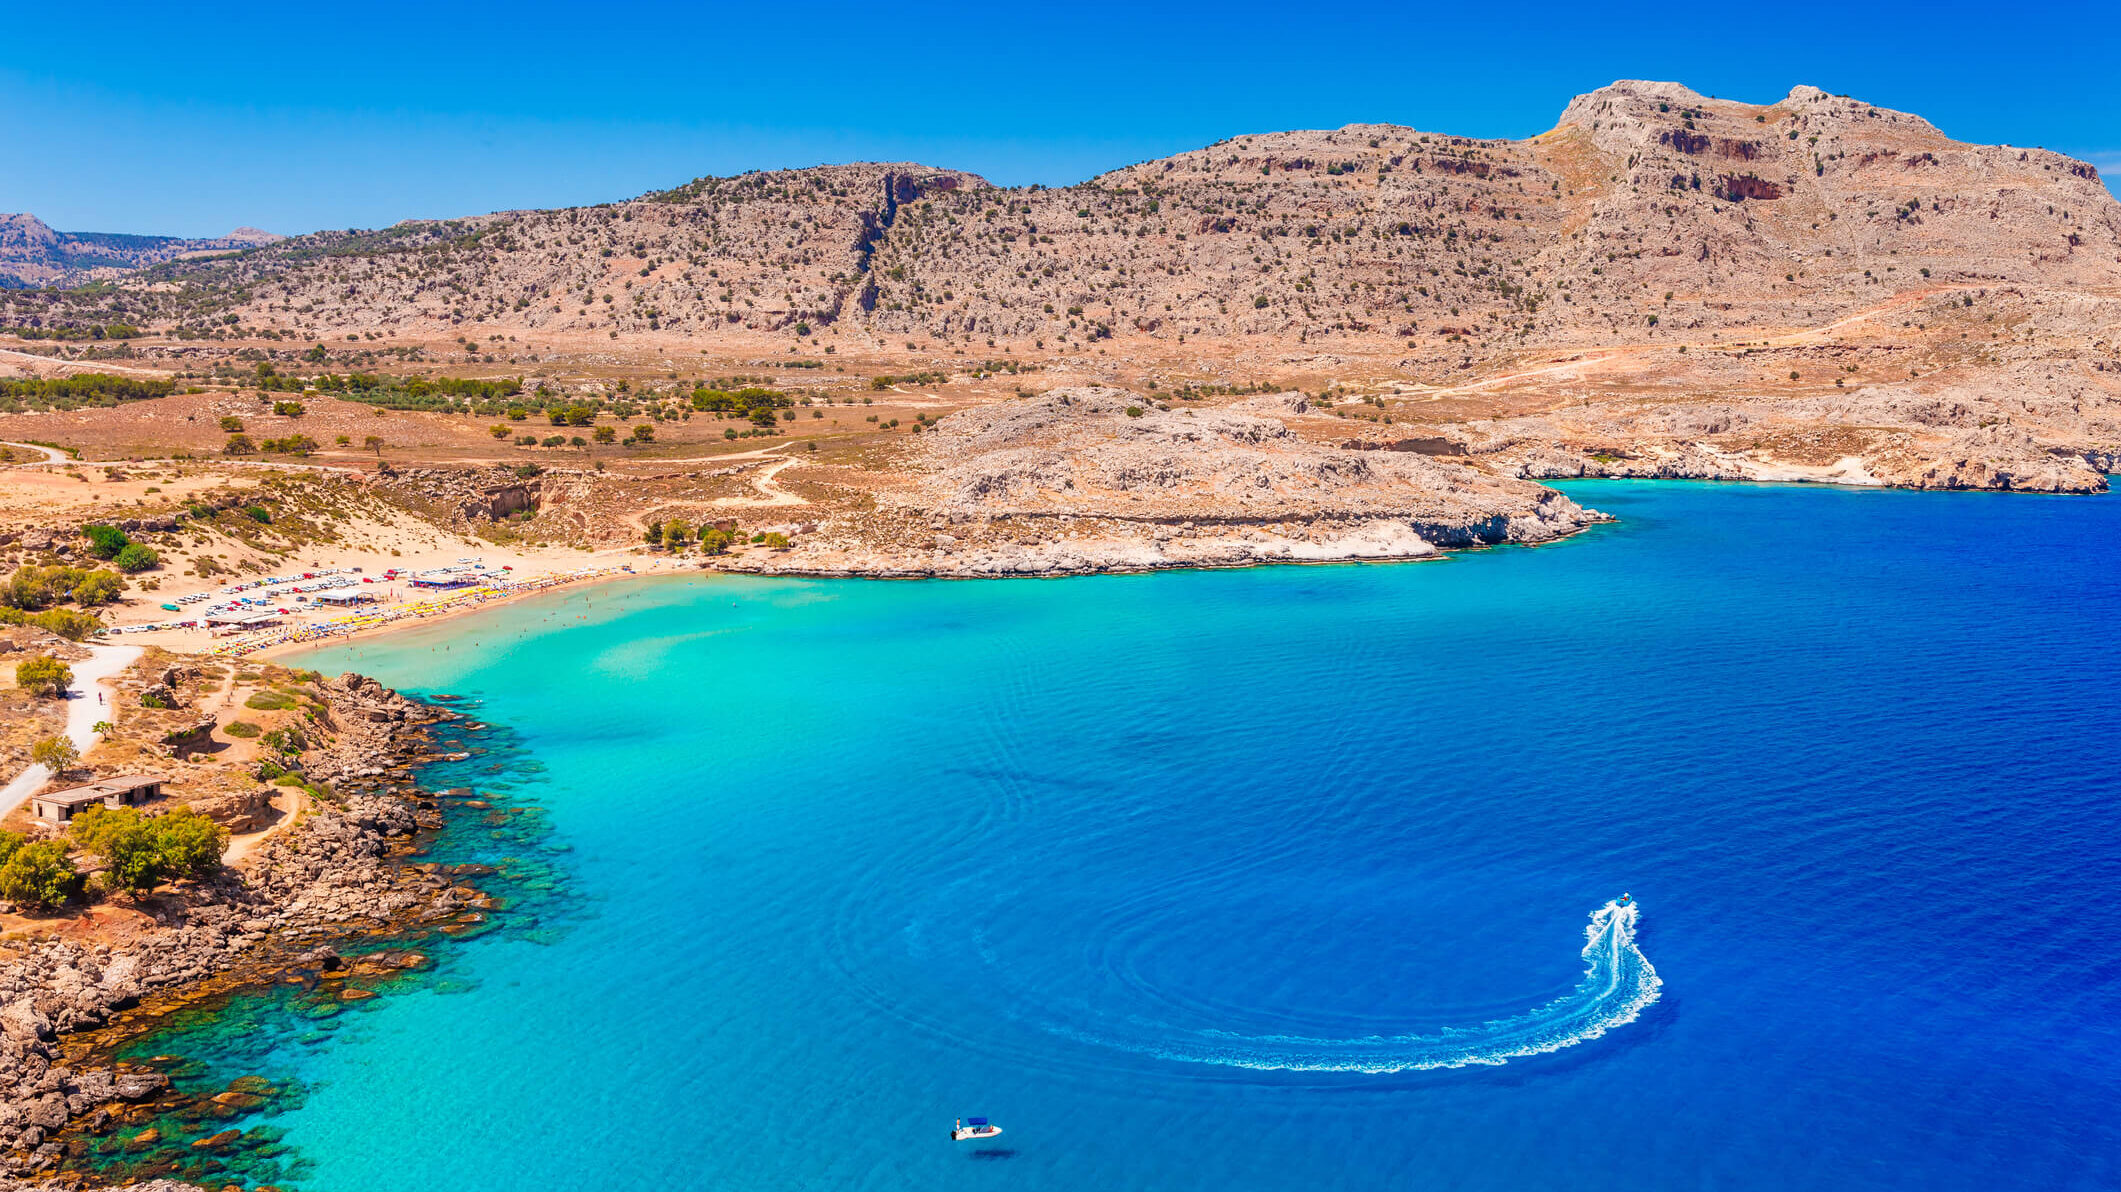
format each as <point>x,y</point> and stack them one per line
<point>1090,479</point>
<point>147,1186</point>
<point>1992,457</point>
<point>330,875</point>
<point>1683,461</point>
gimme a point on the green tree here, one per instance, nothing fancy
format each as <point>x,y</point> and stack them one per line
<point>44,675</point>
<point>652,533</point>
<point>125,842</point>
<point>676,534</point>
<point>136,558</point>
<point>67,623</point>
<point>497,431</point>
<point>232,424</point>
<point>56,753</point>
<point>715,542</point>
<point>239,445</point>
<point>41,875</point>
<point>105,542</point>
<point>374,443</point>
<point>776,540</point>
<point>102,587</point>
<point>604,434</point>
<point>189,843</point>
<point>644,433</point>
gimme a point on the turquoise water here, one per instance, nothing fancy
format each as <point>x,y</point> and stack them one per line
<point>1296,877</point>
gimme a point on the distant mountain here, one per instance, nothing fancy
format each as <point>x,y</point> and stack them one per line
<point>33,255</point>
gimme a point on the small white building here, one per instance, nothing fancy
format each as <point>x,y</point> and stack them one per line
<point>128,790</point>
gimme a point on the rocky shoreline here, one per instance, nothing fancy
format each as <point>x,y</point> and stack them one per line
<point>336,875</point>
<point>1089,480</point>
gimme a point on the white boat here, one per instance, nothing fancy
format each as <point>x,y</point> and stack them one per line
<point>968,1129</point>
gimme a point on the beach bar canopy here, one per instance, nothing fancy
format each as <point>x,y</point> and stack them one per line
<point>246,617</point>
<point>128,790</point>
<point>444,579</point>
<point>343,597</point>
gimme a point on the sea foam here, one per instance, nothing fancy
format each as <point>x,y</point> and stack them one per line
<point>1618,983</point>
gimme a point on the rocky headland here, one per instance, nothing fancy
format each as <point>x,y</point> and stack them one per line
<point>341,873</point>
<point>1098,479</point>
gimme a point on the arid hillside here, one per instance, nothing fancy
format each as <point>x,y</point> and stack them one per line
<point>1744,215</point>
<point>33,255</point>
<point>1662,285</point>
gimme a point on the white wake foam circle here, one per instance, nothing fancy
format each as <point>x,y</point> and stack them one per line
<point>1618,983</point>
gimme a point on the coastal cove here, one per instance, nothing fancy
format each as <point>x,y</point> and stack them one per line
<point>1130,862</point>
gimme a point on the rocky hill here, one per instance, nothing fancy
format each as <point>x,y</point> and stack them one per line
<point>1745,215</point>
<point>1662,284</point>
<point>1090,480</point>
<point>33,255</point>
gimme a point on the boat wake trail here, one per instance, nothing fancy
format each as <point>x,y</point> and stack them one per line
<point>1618,983</point>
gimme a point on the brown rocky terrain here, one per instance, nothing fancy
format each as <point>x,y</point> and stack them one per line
<point>1086,479</point>
<point>1661,285</point>
<point>337,872</point>
<point>33,255</point>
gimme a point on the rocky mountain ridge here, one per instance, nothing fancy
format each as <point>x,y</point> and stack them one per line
<point>1744,214</point>
<point>33,255</point>
<point>1814,288</point>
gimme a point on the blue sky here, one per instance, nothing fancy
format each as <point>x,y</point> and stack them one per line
<point>150,118</point>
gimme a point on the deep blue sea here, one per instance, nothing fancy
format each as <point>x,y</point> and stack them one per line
<point>1289,878</point>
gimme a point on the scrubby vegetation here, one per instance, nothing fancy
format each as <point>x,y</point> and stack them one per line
<point>40,875</point>
<point>142,851</point>
<point>56,753</point>
<point>43,675</point>
<point>32,588</point>
<point>112,543</point>
<point>71,393</point>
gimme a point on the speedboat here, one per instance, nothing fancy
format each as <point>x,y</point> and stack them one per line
<point>967,1129</point>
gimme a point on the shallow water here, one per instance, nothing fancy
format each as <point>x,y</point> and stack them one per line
<point>1193,880</point>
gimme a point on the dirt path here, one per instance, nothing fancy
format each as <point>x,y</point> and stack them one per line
<point>1601,357</point>
<point>287,805</point>
<point>774,494</point>
<point>771,494</point>
<point>1897,302</point>
<point>52,455</point>
<point>86,705</point>
<point>94,366</point>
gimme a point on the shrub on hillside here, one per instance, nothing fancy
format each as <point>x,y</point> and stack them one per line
<point>137,558</point>
<point>57,754</point>
<point>105,542</point>
<point>44,676</point>
<point>39,875</point>
<point>143,850</point>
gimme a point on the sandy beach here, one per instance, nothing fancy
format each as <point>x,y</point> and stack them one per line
<point>294,619</point>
